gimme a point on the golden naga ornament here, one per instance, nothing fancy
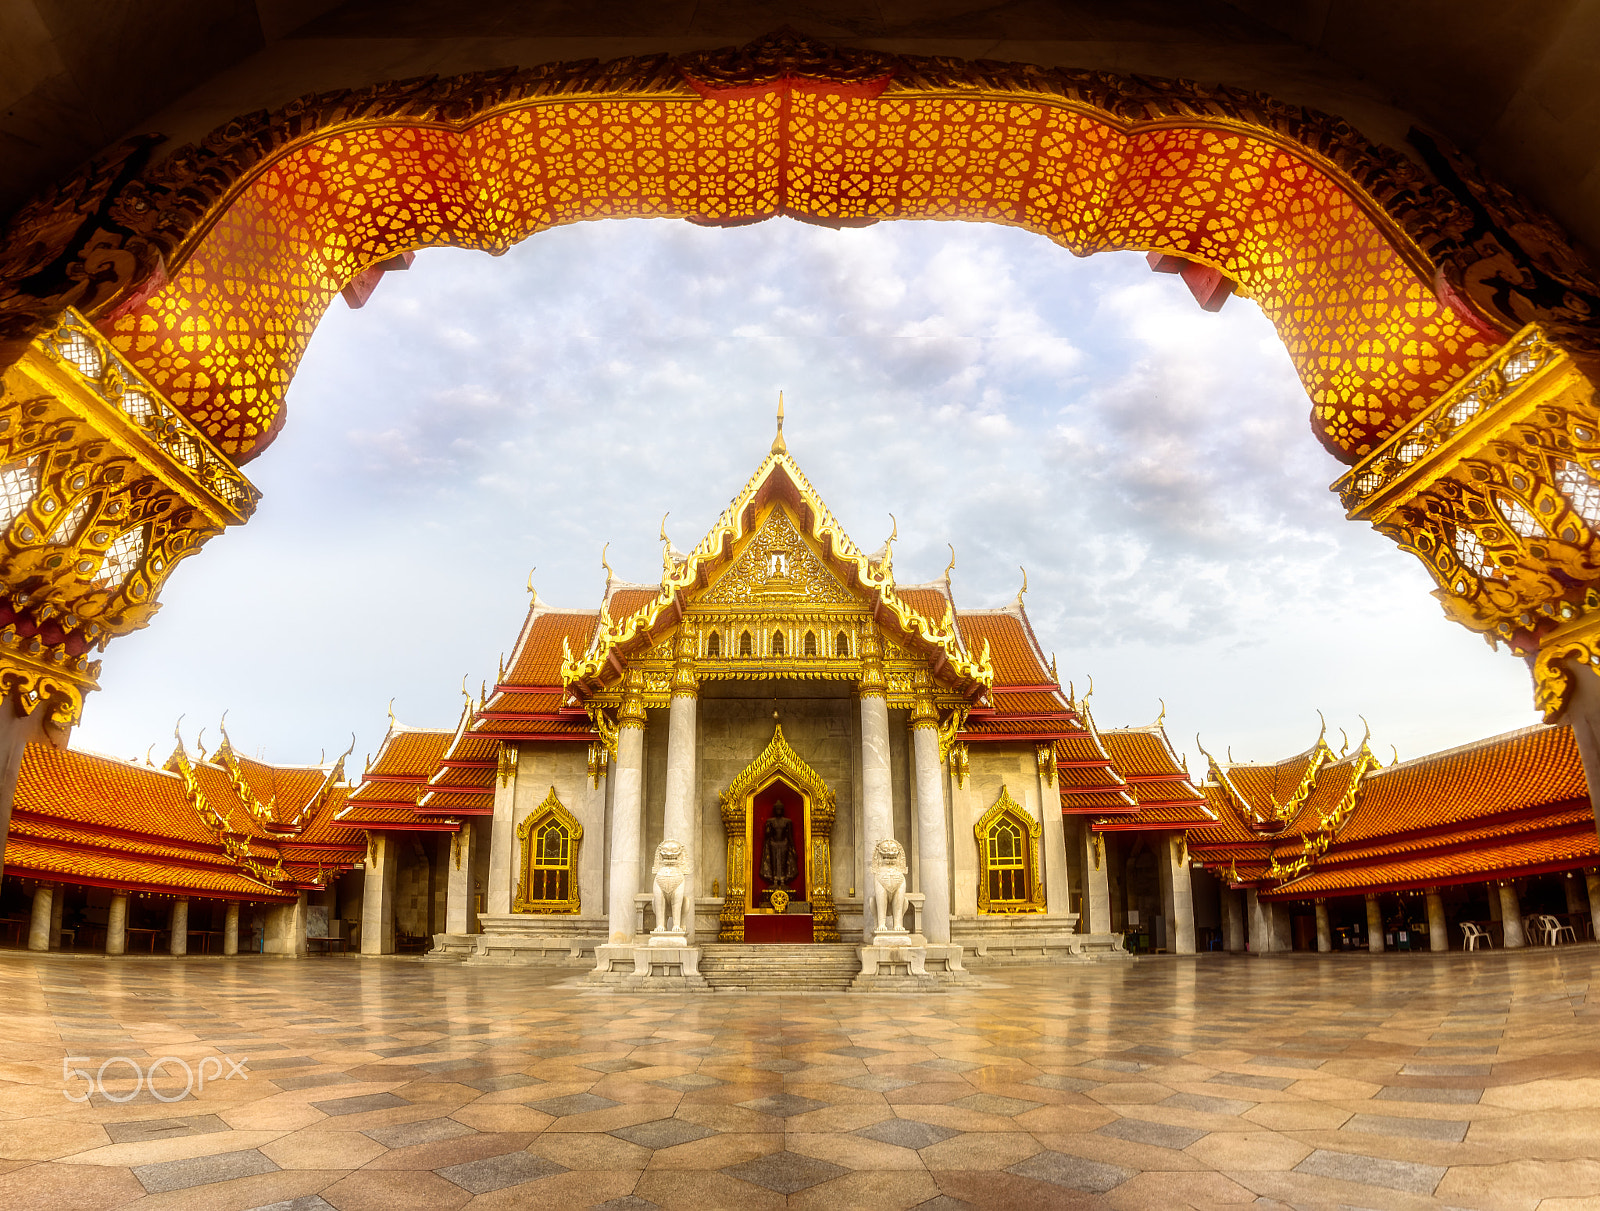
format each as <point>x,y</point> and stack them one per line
<point>104,487</point>
<point>1496,488</point>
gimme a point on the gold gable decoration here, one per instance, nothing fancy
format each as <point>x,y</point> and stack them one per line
<point>780,759</point>
<point>875,581</point>
<point>776,569</point>
<point>1005,807</point>
<point>529,832</point>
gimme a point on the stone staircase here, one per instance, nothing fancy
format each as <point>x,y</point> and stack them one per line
<point>825,967</point>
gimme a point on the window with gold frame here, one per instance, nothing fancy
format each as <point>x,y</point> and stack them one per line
<point>1008,859</point>
<point>548,878</point>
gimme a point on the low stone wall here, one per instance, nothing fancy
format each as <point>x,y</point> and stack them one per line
<point>1032,938</point>
<point>533,940</point>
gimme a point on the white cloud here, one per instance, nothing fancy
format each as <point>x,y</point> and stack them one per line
<point>1149,463</point>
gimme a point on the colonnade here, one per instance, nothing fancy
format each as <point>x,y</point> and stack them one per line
<point>44,924</point>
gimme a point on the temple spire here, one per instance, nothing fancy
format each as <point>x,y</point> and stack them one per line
<point>778,445</point>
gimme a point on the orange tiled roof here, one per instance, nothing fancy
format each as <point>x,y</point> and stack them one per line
<point>1012,649</point>
<point>536,658</point>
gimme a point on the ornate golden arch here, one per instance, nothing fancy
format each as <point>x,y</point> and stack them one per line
<point>1006,806</point>
<point>525,835</point>
<point>778,760</point>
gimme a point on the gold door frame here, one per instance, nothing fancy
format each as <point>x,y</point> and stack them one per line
<point>777,761</point>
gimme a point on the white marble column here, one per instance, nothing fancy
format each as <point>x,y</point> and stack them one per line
<point>459,917</point>
<point>678,815</point>
<point>1591,884</point>
<point>58,904</point>
<point>503,836</point>
<point>377,896</point>
<point>1511,917</point>
<point>933,848</point>
<point>178,927</point>
<point>1324,928</point>
<point>1438,931</point>
<point>117,924</point>
<point>230,929</point>
<point>1177,894</point>
<point>286,927</point>
<point>1232,919</point>
<point>1052,842</point>
<point>1096,883</point>
<point>1374,925</point>
<point>39,925</point>
<point>627,813</point>
<point>877,794</point>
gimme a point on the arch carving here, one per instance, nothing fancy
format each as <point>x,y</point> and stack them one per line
<point>779,760</point>
<point>540,888</point>
<point>1292,204</point>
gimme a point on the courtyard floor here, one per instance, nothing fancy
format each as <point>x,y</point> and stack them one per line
<point>1393,1082</point>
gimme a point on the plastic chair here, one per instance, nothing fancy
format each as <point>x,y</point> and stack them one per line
<point>1554,929</point>
<point>1472,934</point>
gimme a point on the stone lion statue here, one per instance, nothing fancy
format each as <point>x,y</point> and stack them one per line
<point>670,885</point>
<point>889,884</point>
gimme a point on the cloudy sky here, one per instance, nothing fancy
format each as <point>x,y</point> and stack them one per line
<point>1150,464</point>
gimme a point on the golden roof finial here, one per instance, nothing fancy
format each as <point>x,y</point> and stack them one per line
<point>464,693</point>
<point>779,446</point>
<point>609,573</point>
<point>1396,753</point>
<point>1368,726</point>
<point>391,715</point>
<point>951,566</point>
<point>152,764</point>
<point>531,589</point>
<point>1024,587</point>
<point>1162,717</point>
<point>1346,742</point>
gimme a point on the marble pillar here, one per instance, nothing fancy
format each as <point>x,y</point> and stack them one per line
<point>1053,847</point>
<point>677,820</point>
<point>1324,928</point>
<point>286,925</point>
<point>1591,884</point>
<point>39,926</point>
<point>459,917</point>
<point>1511,917</point>
<point>1177,893</point>
<point>117,924</point>
<point>1374,925</point>
<point>1269,925</point>
<point>230,928</point>
<point>58,904</point>
<point>1232,919</point>
<point>627,813</point>
<point>877,794</point>
<point>933,846</point>
<point>377,896</point>
<point>1096,883</point>
<point>502,836</point>
<point>178,927</point>
<point>1438,930</point>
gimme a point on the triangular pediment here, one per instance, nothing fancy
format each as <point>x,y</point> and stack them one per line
<point>776,567</point>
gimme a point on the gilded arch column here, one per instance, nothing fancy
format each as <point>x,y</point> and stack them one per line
<point>627,808</point>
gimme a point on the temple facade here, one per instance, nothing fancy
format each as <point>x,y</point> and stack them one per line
<point>781,727</point>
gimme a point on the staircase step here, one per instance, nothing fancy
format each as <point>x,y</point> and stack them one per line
<point>780,967</point>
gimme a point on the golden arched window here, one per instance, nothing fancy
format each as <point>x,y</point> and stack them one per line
<point>811,643</point>
<point>841,644</point>
<point>777,643</point>
<point>1008,859</point>
<point>548,880</point>
<point>714,644</point>
<point>745,645</point>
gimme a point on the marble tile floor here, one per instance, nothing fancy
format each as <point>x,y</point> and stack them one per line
<point>1398,1081</point>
